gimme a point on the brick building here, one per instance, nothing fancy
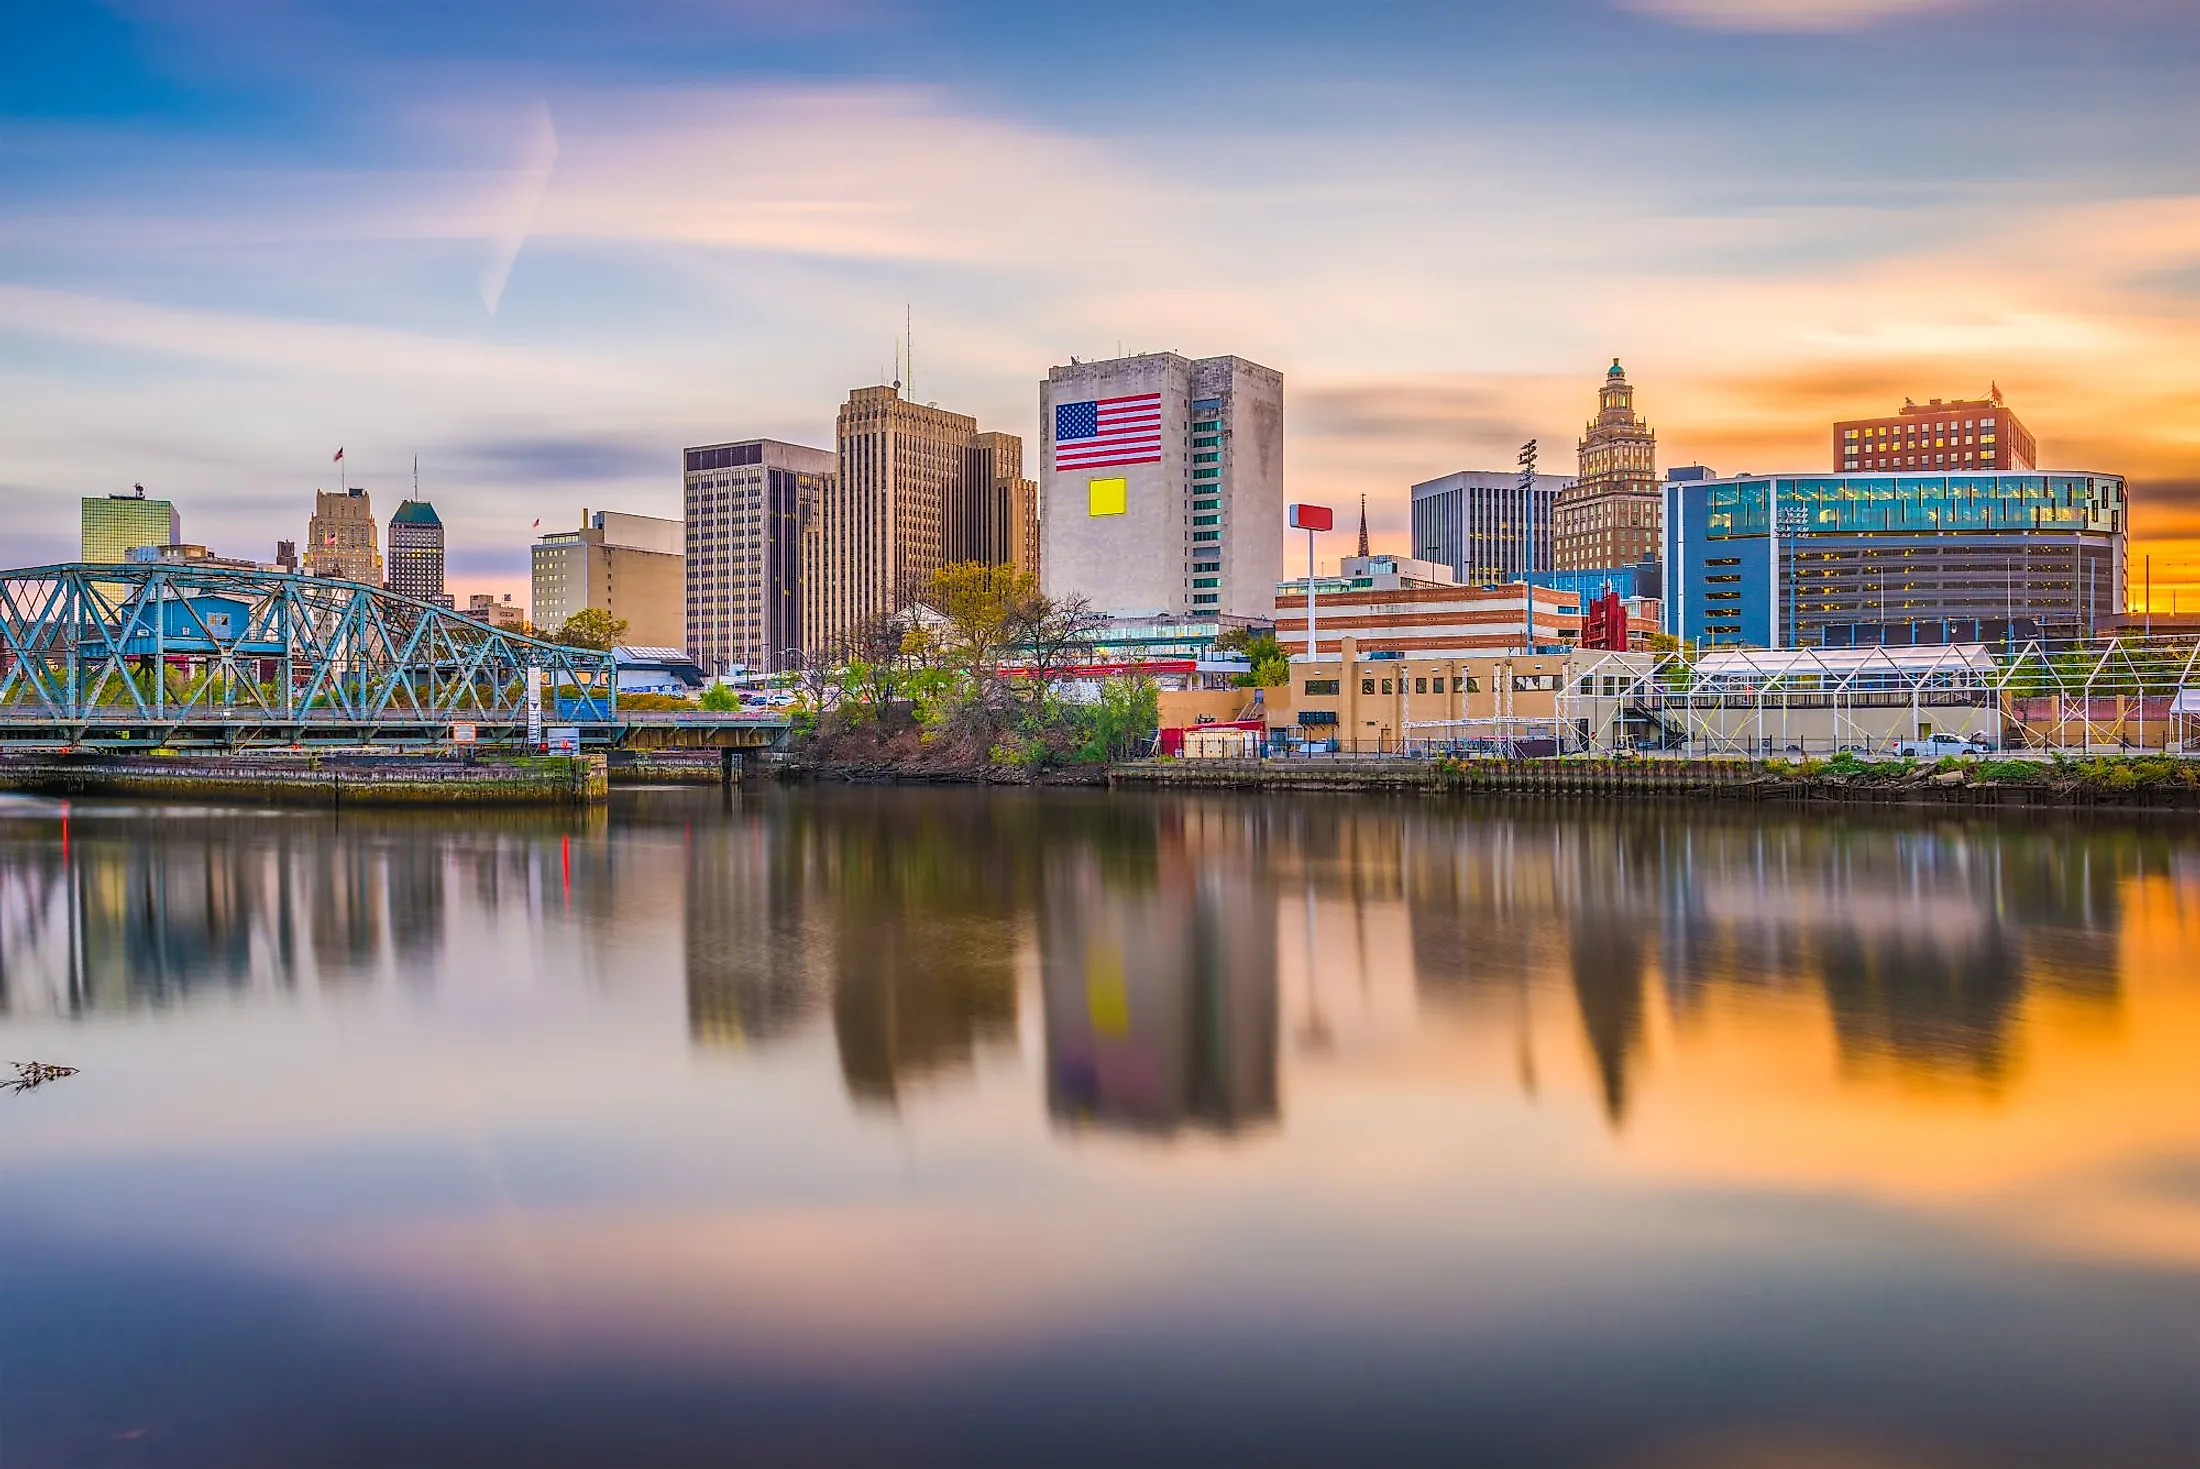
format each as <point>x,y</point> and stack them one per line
<point>1944,437</point>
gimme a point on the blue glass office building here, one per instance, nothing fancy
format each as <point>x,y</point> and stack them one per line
<point>1858,560</point>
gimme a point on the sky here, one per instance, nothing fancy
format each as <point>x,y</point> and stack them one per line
<point>543,244</point>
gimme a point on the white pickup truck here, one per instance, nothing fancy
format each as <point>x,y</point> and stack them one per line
<point>1934,746</point>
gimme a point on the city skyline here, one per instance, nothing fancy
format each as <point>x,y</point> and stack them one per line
<point>513,242</point>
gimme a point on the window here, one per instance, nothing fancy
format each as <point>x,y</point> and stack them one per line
<point>1321,686</point>
<point>1207,426</point>
<point>1532,682</point>
<point>1206,459</point>
<point>1206,520</point>
<point>1420,686</point>
<point>1462,683</point>
<point>1367,686</point>
<point>1206,599</point>
<point>1210,442</point>
<point>1206,535</point>
<point>1199,566</point>
<point>1206,504</point>
<point>1206,581</point>
<point>1386,685</point>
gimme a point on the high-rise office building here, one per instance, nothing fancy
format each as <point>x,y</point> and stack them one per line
<point>903,502</point>
<point>341,539</point>
<point>1480,523</point>
<point>1610,515</point>
<point>630,566</point>
<point>1162,485</point>
<point>416,552</point>
<point>1936,437</point>
<point>1863,560</point>
<point>998,517</point>
<point>747,507</point>
<point>112,526</point>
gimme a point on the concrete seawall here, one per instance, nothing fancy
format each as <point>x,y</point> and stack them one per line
<point>310,780</point>
<point>2175,788</point>
<point>670,767</point>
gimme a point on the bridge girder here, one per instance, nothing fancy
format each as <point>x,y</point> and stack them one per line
<point>90,653</point>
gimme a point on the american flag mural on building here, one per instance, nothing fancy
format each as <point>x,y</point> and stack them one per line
<point>1102,433</point>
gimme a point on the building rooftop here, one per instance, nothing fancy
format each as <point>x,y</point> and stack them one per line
<point>414,512</point>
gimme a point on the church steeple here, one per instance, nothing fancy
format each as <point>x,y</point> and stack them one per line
<point>1363,525</point>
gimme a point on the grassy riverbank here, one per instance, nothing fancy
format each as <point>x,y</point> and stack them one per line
<point>2156,782</point>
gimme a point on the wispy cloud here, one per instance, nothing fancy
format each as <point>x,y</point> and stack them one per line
<point>538,156</point>
<point>1784,15</point>
<point>557,459</point>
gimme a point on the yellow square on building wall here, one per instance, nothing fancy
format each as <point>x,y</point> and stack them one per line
<point>1108,496</point>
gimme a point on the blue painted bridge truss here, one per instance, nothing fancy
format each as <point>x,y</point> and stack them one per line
<point>140,656</point>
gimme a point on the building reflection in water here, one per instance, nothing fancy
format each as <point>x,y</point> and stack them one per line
<point>135,911</point>
<point>1147,928</point>
<point>1923,940</point>
<point>1157,952</point>
<point>904,917</point>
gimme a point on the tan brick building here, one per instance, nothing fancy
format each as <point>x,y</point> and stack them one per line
<point>1613,514</point>
<point>341,539</point>
<point>918,488</point>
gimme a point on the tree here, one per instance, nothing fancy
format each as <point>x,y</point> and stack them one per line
<point>1121,722</point>
<point>593,627</point>
<point>1271,664</point>
<point>721,699</point>
<point>878,655</point>
<point>1058,635</point>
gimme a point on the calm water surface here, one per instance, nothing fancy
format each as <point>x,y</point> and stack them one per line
<point>946,1127</point>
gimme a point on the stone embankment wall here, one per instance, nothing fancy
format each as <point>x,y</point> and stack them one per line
<point>311,780</point>
<point>671,767</point>
<point>2107,784</point>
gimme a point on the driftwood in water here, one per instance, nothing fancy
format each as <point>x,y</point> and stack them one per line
<point>30,1075</point>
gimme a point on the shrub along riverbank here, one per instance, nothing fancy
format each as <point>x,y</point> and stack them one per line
<point>966,687</point>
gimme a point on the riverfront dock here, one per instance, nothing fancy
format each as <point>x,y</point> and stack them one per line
<point>316,779</point>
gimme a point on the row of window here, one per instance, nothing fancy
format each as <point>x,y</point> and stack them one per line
<point>1461,683</point>
<point>1912,430</point>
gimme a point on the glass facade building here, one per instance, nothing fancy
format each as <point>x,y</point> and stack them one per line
<point>1849,560</point>
<point>111,526</point>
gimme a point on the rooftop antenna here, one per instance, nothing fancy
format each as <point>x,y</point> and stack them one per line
<point>416,476</point>
<point>897,364</point>
<point>909,341</point>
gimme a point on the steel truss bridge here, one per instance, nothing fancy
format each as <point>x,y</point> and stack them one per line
<point>144,656</point>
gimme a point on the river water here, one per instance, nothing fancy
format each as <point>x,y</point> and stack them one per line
<point>946,1127</point>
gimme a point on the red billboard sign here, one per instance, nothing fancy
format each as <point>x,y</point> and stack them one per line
<point>1313,517</point>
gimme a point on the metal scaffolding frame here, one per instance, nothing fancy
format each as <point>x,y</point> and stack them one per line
<point>2091,696</point>
<point>93,655</point>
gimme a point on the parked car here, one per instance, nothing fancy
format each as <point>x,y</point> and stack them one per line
<point>1934,746</point>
